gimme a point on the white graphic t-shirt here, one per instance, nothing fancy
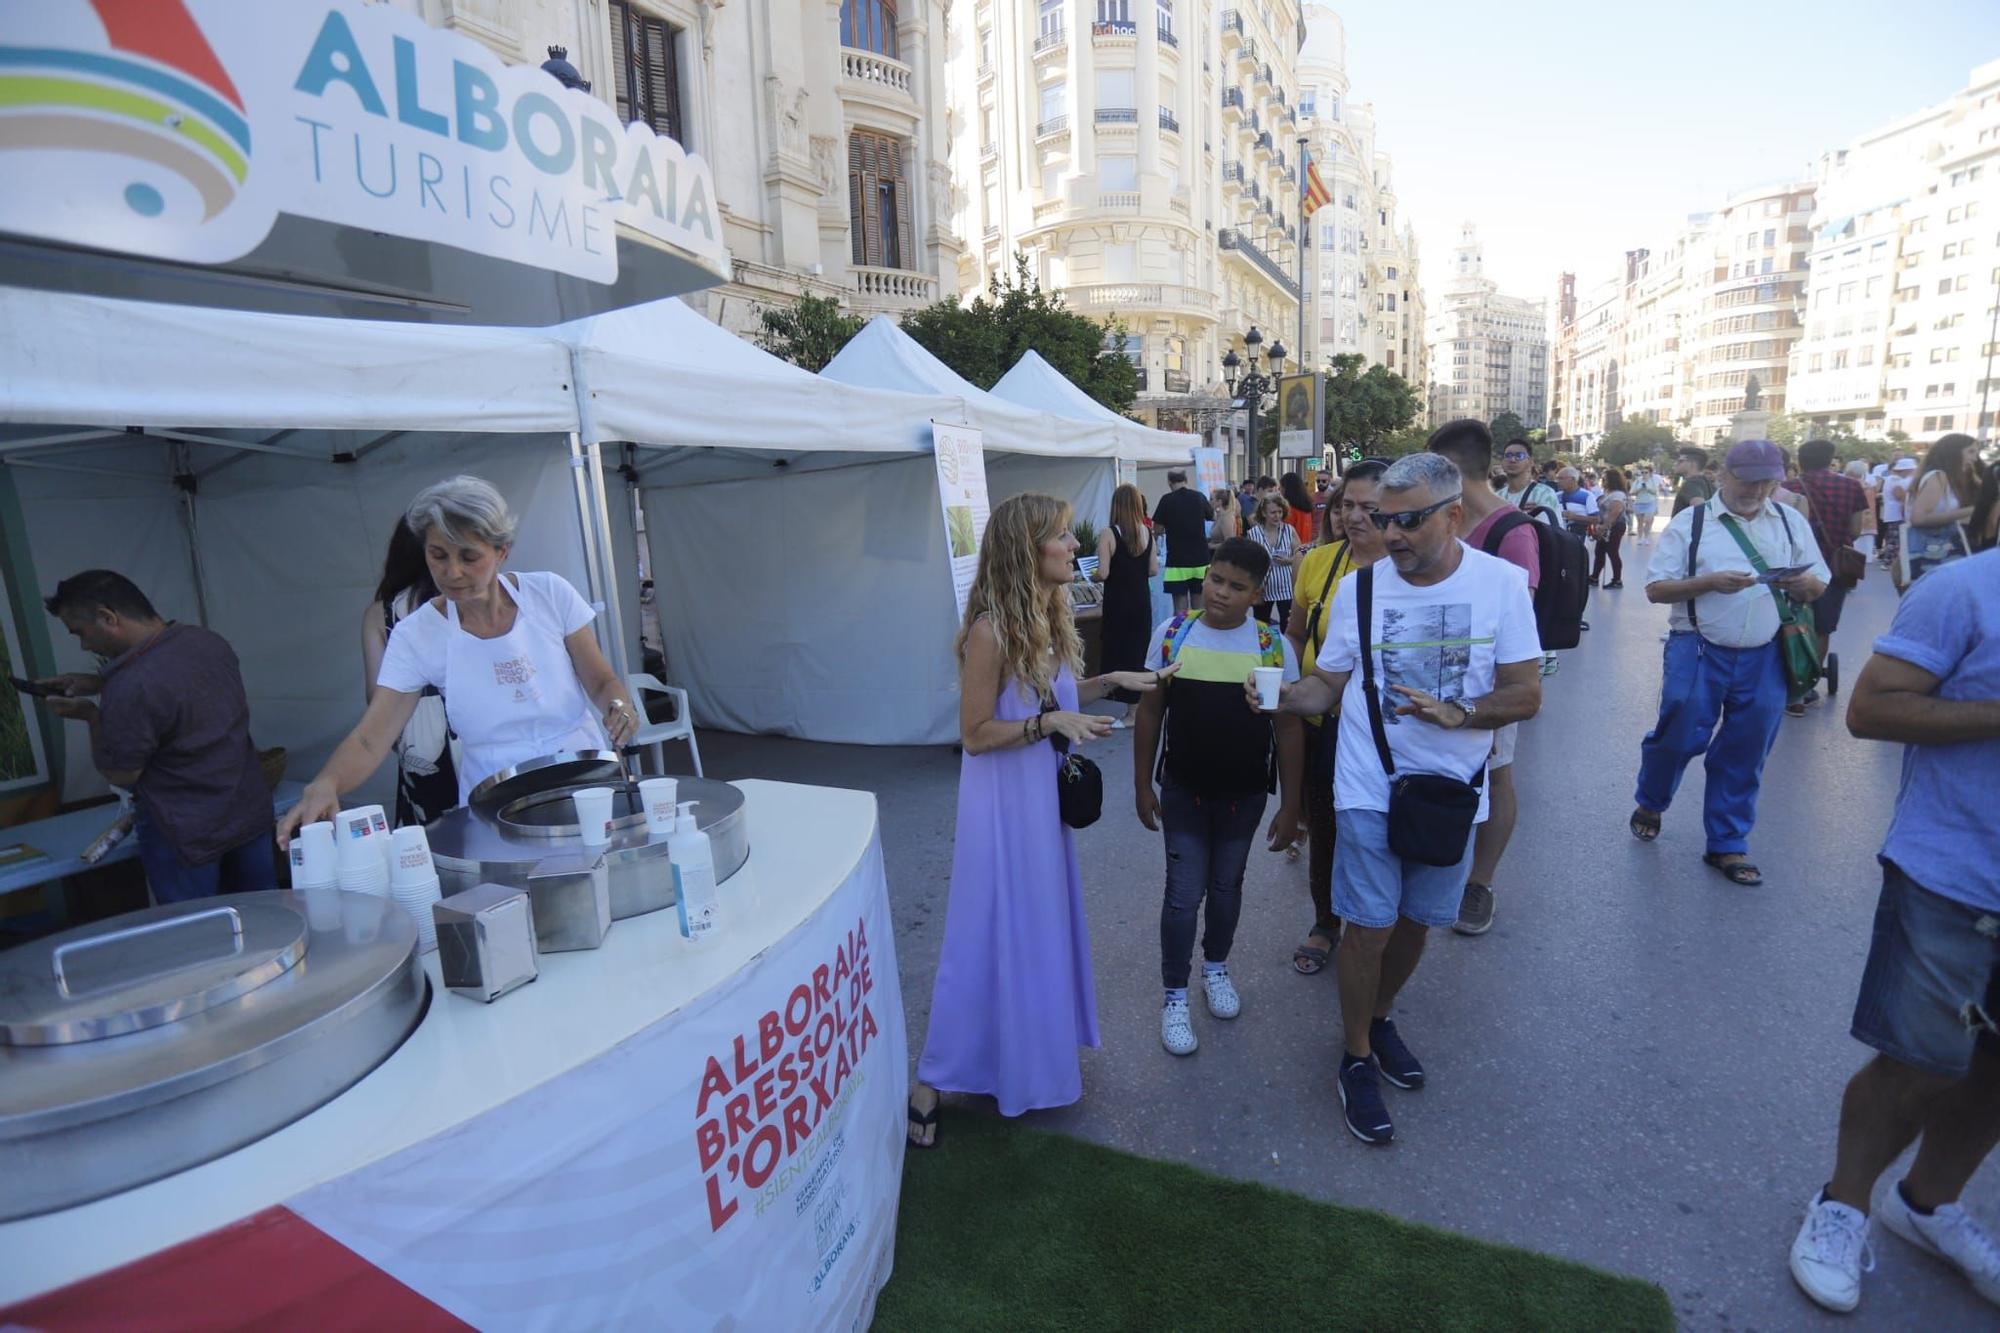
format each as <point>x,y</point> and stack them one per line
<point>1448,640</point>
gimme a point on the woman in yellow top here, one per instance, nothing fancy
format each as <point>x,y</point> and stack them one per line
<point>1347,541</point>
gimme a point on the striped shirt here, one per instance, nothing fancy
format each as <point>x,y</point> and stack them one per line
<point>1278,582</point>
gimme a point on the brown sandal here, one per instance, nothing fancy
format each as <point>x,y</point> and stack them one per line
<point>1736,872</point>
<point>1645,824</point>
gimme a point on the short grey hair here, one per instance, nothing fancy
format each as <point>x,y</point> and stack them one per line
<point>1434,472</point>
<point>1858,469</point>
<point>462,508</point>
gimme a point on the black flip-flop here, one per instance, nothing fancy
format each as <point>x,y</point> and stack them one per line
<point>924,1120</point>
<point>1310,959</point>
<point>1736,872</point>
<point>1645,825</point>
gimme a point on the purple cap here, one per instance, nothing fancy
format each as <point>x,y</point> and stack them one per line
<point>1755,460</point>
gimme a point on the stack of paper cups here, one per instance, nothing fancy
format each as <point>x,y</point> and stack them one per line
<point>378,825</point>
<point>359,860</point>
<point>593,815</point>
<point>313,863</point>
<point>413,881</point>
<point>660,797</point>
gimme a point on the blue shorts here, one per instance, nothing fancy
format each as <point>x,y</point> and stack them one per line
<point>1372,886</point>
<point>1931,990</point>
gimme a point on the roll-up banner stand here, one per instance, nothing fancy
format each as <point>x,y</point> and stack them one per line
<point>961,474</point>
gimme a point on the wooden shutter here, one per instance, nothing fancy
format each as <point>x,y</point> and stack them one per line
<point>860,190</point>
<point>901,185</point>
<point>621,58</point>
<point>645,68</point>
<point>663,80</point>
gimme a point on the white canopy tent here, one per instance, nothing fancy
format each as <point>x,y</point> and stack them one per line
<point>1034,383</point>
<point>246,469</point>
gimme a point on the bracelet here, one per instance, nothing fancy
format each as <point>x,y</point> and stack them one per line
<point>1026,722</point>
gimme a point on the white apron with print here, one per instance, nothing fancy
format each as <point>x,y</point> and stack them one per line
<point>515,698</point>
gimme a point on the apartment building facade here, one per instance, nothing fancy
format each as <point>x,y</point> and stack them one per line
<point>1489,352</point>
<point>1903,304</point>
<point>1363,290</point>
<point>1139,154</point>
<point>824,123</point>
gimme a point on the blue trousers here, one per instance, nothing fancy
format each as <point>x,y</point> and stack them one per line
<point>245,869</point>
<point>1744,690</point>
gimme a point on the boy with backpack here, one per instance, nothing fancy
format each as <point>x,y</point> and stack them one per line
<point>1221,764</point>
<point>1557,567</point>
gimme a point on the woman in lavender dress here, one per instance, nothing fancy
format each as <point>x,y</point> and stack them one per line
<point>1013,998</point>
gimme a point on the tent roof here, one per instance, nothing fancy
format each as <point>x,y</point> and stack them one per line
<point>885,357</point>
<point>1033,382</point>
<point>99,361</point>
<point>661,374</point>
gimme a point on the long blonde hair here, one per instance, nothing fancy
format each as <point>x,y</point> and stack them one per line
<point>1029,617</point>
<point>1128,516</point>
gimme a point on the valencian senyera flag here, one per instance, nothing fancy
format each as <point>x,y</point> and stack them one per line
<point>1316,193</point>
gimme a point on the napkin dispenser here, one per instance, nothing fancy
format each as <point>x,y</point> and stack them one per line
<point>572,898</point>
<point>486,940</point>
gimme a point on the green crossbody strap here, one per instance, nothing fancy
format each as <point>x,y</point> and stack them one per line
<point>1787,608</point>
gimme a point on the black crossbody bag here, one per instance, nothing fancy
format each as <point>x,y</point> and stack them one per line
<point>1430,814</point>
<point>1079,782</point>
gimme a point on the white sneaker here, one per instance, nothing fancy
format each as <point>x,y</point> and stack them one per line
<point>1831,1253</point>
<point>1176,1032</point>
<point>1220,991</point>
<point>1953,1235</point>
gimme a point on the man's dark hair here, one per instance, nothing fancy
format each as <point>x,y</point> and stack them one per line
<point>1244,554</point>
<point>1466,442</point>
<point>1266,482</point>
<point>1815,454</point>
<point>1521,440</point>
<point>1176,475</point>
<point>1694,451</point>
<point>1368,469</point>
<point>96,588</point>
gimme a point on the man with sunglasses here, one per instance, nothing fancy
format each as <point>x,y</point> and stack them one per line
<point>1454,655</point>
<point>1524,489</point>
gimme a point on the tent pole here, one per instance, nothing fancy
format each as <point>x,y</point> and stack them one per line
<point>588,466</point>
<point>579,471</point>
<point>601,516</point>
<point>182,459</point>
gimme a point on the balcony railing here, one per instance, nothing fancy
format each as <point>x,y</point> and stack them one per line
<point>1167,121</point>
<point>1047,209</point>
<point>895,284</point>
<point>1229,238</point>
<point>987,152</point>
<point>1232,171</point>
<point>1232,97</point>
<point>1232,21</point>
<point>1167,38</point>
<point>1265,144</point>
<point>867,67</point>
<point>1053,125</point>
<point>1118,115</point>
<point>1143,296</point>
<point>1053,40</point>
<point>1118,201</point>
<point>1178,201</point>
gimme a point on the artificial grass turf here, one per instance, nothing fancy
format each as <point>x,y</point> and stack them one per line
<point>1007,1227</point>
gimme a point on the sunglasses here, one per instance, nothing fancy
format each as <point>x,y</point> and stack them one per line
<point>1515,455</point>
<point>1411,519</point>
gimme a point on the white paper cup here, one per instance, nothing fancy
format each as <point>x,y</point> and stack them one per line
<point>417,899</point>
<point>356,840</point>
<point>370,879</point>
<point>593,815</point>
<point>410,857</point>
<point>1269,681</point>
<point>659,798</point>
<point>314,865</point>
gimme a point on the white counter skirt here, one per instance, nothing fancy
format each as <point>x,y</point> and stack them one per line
<point>652,1134</point>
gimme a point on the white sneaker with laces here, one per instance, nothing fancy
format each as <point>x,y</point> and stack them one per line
<point>1831,1253</point>
<point>1953,1235</point>
<point>1220,992</point>
<point>1176,1032</point>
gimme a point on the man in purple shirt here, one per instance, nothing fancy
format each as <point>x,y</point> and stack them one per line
<point>173,727</point>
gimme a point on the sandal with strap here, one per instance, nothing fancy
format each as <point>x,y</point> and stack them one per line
<point>925,1120</point>
<point>1310,959</point>
<point>1645,824</point>
<point>1736,872</point>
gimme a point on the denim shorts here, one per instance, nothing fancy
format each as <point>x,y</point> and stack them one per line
<point>1931,990</point>
<point>1372,885</point>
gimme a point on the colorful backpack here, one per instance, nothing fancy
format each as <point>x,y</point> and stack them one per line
<point>1270,652</point>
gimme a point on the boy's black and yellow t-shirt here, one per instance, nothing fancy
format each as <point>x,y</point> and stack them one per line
<point>1216,745</point>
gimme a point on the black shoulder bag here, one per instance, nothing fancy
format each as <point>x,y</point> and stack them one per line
<point>1079,782</point>
<point>1430,814</point>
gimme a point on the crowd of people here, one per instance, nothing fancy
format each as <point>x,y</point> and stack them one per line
<point>1362,655</point>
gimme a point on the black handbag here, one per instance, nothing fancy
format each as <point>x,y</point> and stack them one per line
<point>1430,814</point>
<point>1079,782</point>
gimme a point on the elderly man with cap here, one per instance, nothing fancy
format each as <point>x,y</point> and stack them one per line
<point>1723,688</point>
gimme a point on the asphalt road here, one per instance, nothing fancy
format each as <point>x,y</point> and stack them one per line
<point>1640,1067</point>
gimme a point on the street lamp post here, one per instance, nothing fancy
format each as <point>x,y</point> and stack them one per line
<point>1247,382</point>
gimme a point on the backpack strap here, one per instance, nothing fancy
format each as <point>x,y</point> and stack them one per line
<point>1269,651</point>
<point>1364,614</point>
<point>1694,546</point>
<point>1503,525</point>
<point>1178,630</point>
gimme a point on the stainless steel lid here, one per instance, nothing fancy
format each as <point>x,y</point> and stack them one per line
<point>145,969</point>
<point>580,768</point>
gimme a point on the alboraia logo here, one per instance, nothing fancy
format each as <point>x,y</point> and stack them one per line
<point>181,129</point>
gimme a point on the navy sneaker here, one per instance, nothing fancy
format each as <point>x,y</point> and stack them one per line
<point>1361,1102</point>
<point>1398,1065</point>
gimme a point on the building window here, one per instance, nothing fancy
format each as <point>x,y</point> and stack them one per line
<point>1118,173</point>
<point>1121,262</point>
<point>646,71</point>
<point>1114,11</point>
<point>1051,18</point>
<point>1054,98</point>
<point>878,201</point>
<point>1114,90</point>
<point>869,25</point>
<point>1128,345</point>
<point>1164,15</point>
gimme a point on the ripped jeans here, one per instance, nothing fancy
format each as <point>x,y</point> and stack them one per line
<point>1208,846</point>
<point>1931,990</point>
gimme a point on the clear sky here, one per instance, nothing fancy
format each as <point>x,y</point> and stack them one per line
<point>1573,130</point>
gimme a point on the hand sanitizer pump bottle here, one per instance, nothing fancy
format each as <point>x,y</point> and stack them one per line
<point>694,877</point>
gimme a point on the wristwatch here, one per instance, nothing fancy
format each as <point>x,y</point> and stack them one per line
<point>1467,707</point>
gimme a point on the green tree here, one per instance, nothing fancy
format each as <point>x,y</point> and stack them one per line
<point>1634,440</point>
<point>1366,404</point>
<point>1507,426</point>
<point>1537,437</point>
<point>1787,431</point>
<point>983,340</point>
<point>1408,440</point>
<point>808,334</point>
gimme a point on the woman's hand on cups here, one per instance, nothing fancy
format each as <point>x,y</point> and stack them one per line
<point>1078,727</point>
<point>320,802</point>
<point>1142,681</point>
<point>621,723</point>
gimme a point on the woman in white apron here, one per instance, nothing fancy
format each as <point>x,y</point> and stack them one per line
<point>514,654</point>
